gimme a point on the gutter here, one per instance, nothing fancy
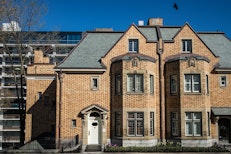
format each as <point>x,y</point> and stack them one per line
<point>60,76</point>
<point>160,51</point>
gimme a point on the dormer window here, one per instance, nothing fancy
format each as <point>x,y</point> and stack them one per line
<point>187,46</point>
<point>133,45</point>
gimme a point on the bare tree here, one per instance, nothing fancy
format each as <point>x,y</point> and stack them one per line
<point>20,19</point>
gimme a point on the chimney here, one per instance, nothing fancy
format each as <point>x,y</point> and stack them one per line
<point>155,21</point>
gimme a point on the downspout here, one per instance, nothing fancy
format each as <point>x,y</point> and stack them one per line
<point>160,51</point>
<point>60,76</point>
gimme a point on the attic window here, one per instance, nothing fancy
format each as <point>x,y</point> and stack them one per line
<point>133,45</point>
<point>187,46</point>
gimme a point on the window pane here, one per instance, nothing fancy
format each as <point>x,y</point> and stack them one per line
<point>188,128</point>
<point>131,127</point>
<point>130,87</point>
<point>197,128</point>
<point>139,115</point>
<point>197,116</point>
<point>139,83</point>
<point>140,127</point>
<point>131,115</point>
<point>188,115</point>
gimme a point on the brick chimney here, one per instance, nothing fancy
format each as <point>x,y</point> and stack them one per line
<point>39,57</point>
<point>155,22</point>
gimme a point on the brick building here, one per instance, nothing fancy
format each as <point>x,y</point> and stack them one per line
<point>148,84</point>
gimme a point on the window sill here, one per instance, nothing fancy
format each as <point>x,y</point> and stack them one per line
<point>192,93</point>
<point>135,93</point>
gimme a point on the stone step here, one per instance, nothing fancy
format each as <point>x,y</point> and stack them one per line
<point>93,148</point>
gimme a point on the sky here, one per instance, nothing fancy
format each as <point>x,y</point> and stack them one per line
<point>84,15</point>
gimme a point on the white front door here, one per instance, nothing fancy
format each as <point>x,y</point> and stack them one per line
<point>93,130</point>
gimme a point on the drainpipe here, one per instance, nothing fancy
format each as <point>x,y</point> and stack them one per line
<point>160,51</point>
<point>60,76</point>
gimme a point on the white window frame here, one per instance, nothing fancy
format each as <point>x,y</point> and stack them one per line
<point>173,84</point>
<point>133,45</point>
<point>186,46</point>
<point>136,120</point>
<point>194,123</point>
<point>192,83</point>
<point>223,81</point>
<point>133,83</point>
<point>174,123</point>
<point>94,83</point>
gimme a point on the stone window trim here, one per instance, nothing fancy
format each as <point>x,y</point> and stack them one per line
<point>135,83</point>
<point>135,124</point>
<point>133,45</point>
<point>223,80</point>
<point>152,124</point>
<point>192,83</point>
<point>186,45</point>
<point>151,82</point>
<point>73,123</point>
<point>95,83</point>
<point>193,124</point>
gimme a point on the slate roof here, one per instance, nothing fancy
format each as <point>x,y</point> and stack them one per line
<point>220,46</point>
<point>219,111</point>
<point>88,52</point>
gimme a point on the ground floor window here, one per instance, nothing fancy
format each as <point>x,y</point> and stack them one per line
<point>135,124</point>
<point>193,124</point>
<point>118,124</point>
<point>174,121</point>
<point>152,123</point>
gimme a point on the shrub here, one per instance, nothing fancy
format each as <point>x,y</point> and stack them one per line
<point>163,148</point>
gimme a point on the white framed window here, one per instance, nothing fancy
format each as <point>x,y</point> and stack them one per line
<point>151,77</point>
<point>73,123</point>
<point>187,46</point>
<point>118,125</point>
<point>95,83</point>
<point>174,123</point>
<point>135,83</point>
<point>133,45</point>
<point>223,81</point>
<point>173,84</point>
<point>193,124</point>
<point>192,83</point>
<point>152,123</point>
<point>135,126</point>
<point>118,84</point>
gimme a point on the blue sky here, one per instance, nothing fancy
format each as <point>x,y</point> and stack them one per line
<point>83,15</point>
